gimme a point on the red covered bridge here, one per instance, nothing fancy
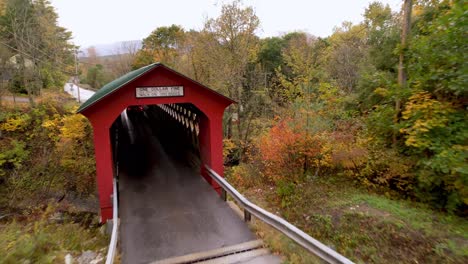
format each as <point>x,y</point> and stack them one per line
<point>191,102</point>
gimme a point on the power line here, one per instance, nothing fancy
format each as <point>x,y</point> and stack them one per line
<point>36,48</point>
<point>32,57</point>
<point>45,54</point>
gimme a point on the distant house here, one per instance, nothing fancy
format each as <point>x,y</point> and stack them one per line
<point>11,66</point>
<point>15,61</point>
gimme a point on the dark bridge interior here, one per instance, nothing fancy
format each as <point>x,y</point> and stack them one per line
<point>166,208</point>
<point>175,128</point>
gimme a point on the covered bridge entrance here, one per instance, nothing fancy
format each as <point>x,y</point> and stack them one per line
<point>158,94</point>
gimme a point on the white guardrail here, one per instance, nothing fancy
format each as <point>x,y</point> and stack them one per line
<point>115,211</point>
<point>309,243</point>
<point>115,223</point>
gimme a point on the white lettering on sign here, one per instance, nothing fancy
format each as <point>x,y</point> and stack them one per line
<point>159,91</point>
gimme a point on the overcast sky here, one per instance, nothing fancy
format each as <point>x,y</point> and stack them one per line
<point>107,21</point>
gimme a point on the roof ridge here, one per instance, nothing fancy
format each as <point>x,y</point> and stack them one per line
<point>114,85</point>
<point>123,80</point>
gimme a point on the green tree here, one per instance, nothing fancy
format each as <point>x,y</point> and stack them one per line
<point>378,72</point>
<point>162,45</point>
<point>270,53</point>
<point>382,36</point>
<point>95,76</point>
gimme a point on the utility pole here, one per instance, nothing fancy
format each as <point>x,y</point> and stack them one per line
<point>75,80</point>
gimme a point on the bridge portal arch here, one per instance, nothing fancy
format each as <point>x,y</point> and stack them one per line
<point>155,84</point>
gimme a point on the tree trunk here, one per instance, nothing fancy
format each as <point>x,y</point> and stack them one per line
<point>239,125</point>
<point>27,85</point>
<point>402,77</point>
<point>229,123</point>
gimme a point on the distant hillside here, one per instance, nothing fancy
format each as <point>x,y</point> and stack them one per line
<point>106,60</point>
<point>112,48</point>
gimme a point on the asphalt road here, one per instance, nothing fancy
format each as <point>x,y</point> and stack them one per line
<point>72,89</point>
<point>15,99</point>
<point>167,209</point>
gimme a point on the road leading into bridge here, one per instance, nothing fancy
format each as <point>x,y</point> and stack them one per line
<point>166,207</point>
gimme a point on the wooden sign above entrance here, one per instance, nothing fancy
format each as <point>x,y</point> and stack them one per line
<point>159,91</point>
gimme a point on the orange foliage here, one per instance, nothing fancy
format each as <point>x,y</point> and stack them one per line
<point>289,152</point>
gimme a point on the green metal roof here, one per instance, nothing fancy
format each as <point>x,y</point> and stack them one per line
<point>115,85</point>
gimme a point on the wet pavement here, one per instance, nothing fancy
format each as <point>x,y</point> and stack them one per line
<point>167,209</point>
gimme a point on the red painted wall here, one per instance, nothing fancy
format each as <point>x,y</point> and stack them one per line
<point>104,112</point>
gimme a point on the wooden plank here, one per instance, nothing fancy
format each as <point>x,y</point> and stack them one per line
<point>238,258</point>
<point>254,244</point>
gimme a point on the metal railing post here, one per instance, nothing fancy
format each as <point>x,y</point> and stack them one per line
<point>247,216</point>
<point>223,195</point>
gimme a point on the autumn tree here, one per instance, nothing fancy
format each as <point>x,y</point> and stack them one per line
<point>92,56</point>
<point>378,69</point>
<point>434,116</point>
<point>298,72</point>
<point>42,51</point>
<point>345,53</point>
<point>125,55</point>
<point>5,69</point>
<point>402,74</point>
<point>234,46</point>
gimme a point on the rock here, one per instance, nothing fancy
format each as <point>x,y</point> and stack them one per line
<point>102,229</point>
<point>99,259</point>
<point>68,259</point>
<point>86,257</point>
<point>57,217</point>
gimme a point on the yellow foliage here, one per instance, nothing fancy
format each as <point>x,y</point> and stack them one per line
<point>228,146</point>
<point>382,92</point>
<point>426,113</point>
<point>348,153</point>
<point>72,132</point>
<point>16,123</point>
<point>73,127</point>
<point>52,126</point>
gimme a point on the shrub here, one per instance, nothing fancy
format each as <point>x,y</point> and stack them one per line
<point>288,151</point>
<point>386,168</point>
<point>244,175</point>
<point>12,156</point>
<point>54,144</point>
<point>16,122</point>
<point>43,241</point>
